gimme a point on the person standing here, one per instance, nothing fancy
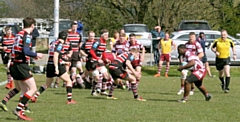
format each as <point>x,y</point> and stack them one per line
<point>198,72</point>
<point>19,67</point>
<point>158,35</point>
<point>221,47</point>
<point>56,67</point>
<point>7,41</point>
<point>166,49</point>
<point>202,40</point>
<point>114,39</point>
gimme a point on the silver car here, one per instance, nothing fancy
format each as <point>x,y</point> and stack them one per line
<point>142,33</point>
<point>181,37</point>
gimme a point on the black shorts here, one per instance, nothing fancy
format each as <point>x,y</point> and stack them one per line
<point>118,72</point>
<point>221,62</point>
<point>51,70</point>
<point>91,65</point>
<point>20,71</point>
<point>73,63</point>
<point>204,58</point>
<point>193,79</point>
<point>75,56</point>
<point>5,57</point>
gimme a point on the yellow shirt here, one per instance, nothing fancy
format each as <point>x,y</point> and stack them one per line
<point>223,47</point>
<point>166,46</point>
<point>112,41</point>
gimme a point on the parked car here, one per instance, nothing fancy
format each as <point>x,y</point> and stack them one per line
<point>181,37</point>
<point>193,25</point>
<point>15,29</point>
<point>142,34</point>
<point>63,25</point>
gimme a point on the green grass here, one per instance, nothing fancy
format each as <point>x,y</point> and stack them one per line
<point>161,104</point>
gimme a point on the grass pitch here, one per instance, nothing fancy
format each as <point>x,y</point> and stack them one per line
<point>161,104</point>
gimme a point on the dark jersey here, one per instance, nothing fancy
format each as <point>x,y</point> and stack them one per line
<point>8,42</point>
<point>75,39</point>
<point>22,39</point>
<point>97,49</point>
<point>121,59</point>
<point>51,51</point>
<point>62,50</point>
<point>86,46</point>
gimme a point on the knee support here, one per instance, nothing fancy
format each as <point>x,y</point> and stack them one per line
<point>184,74</point>
<point>95,72</point>
<point>79,64</point>
<point>103,70</point>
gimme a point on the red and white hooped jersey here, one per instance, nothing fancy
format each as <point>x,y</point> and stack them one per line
<point>119,47</point>
<point>136,45</point>
<point>198,68</point>
<point>194,47</point>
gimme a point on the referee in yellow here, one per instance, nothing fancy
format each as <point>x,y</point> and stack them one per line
<point>221,47</point>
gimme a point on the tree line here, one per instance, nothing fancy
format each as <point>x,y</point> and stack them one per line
<point>113,14</point>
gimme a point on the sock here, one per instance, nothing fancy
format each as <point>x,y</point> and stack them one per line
<point>134,90</point>
<point>227,79</point>
<point>81,73</point>
<point>159,69</point>
<point>137,82</point>
<point>69,93</point>
<point>222,80</point>
<point>9,77</point>
<point>40,91</point>
<point>20,98</point>
<point>182,86</point>
<point>23,102</point>
<point>167,69</point>
<point>192,88</point>
<point>93,86</point>
<point>10,95</point>
<point>104,83</point>
<point>112,89</point>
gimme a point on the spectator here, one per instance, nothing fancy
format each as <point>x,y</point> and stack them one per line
<point>156,33</point>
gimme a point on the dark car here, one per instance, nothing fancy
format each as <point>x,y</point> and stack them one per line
<point>193,25</point>
<point>15,29</point>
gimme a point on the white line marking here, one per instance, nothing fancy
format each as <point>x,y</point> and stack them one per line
<point>3,83</point>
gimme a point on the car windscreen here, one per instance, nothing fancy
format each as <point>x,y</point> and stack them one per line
<point>194,26</point>
<point>129,29</point>
<point>64,25</point>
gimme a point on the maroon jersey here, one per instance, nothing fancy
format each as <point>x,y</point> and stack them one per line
<point>108,56</point>
<point>195,47</point>
<point>136,45</point>
<point>119,47</point>
<point>120,60</point>
<point>198,69</point>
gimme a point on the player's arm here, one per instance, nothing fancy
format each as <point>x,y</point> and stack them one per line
<point>70,52</point>
<point>26,46</point>
<point>57,51</point>
<point>143,53</point>
<point>159,45</point>
<point>174,46</point>
<point>199,50</point>
<point>93,49</point>
<point>189,64</point>
<point>129,65</point>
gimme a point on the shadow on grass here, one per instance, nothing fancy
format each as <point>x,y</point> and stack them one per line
<point>12,119</point>
<point>166,100</point>
<point>99,98</point>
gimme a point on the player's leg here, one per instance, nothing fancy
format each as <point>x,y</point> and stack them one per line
<point>65,77</point>
<point>168,59</point>
<point>138,69</point>
<point>160,66</point>
<point>132,80</point>
<point>10,95</point>
<point>183,78</point>
<point>105,78</point>
<point>220,66</point>
<point>203,90</point>
<point>187,86</point>
<point>227,78</point>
